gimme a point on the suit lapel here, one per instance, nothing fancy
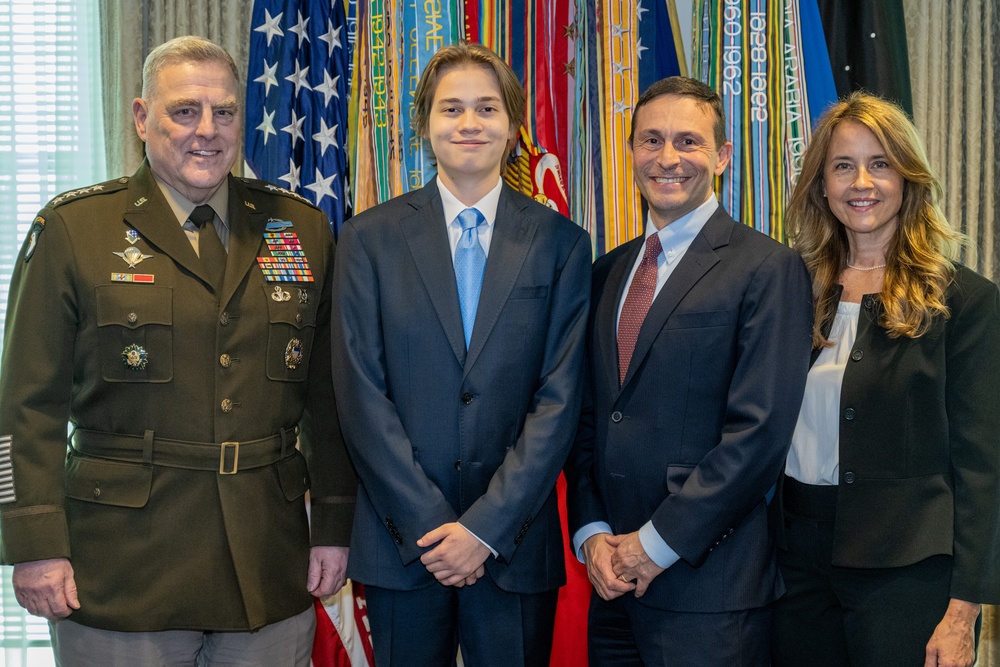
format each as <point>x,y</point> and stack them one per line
<point>607,312</point>
<point>246,234</point>
<point>151,216</point>
<point>512,235</point>
<point>427,238</point>
<point>697,261</point>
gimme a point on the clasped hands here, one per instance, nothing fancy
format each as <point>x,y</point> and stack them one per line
<point>617,564</point>
<point>457,558</point>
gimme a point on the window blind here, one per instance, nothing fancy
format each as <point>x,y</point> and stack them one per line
<point>51,140</point>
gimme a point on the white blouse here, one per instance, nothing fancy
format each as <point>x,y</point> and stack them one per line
<point>815,457</point>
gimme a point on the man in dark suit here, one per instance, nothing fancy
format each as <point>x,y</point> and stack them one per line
<point>698,347</point>
<point>173,529</point>
<point>463,307</point>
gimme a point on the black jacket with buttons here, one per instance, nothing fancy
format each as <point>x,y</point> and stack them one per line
<point>919,454</point>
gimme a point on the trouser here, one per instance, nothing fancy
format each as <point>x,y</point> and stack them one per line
<point>286,643</point>
<point>840,616</point>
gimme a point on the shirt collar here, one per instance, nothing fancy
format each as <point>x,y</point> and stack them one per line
<point>487,205</point>
<point>682,231</point>
<point>182,208</point>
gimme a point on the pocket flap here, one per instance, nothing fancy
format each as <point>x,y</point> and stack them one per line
<point>293,475</point>
<point>676,476</point>
<point>108,482</point>
<point>133,306</point>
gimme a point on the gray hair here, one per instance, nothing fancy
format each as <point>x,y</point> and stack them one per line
<point>184,49</point>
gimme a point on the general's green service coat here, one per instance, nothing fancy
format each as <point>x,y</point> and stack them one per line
<point>151,366</point>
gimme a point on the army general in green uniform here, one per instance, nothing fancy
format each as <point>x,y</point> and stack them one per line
<point>188,349</point>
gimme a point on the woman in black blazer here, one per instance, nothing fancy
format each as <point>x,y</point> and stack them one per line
<point>888,512</point>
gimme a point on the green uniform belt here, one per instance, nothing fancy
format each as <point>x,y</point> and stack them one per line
<point>226,458</point>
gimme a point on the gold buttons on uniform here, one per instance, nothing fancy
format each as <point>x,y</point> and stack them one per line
<point>132,318</point>
<point>227,405</point>
<point>224,319</point>
<point>225,361</point>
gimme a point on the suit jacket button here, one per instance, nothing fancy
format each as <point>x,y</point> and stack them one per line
<point>857,354</point>
<point>849,414</point>
<point>849,477</point>
<point>467,398</point>
<point>616,416</point>
<point>458,465</point>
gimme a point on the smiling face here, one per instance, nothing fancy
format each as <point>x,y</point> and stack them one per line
<point>469,131</point>
<point>864,193</point>
<point>191,127</point>
<point>674,156</point>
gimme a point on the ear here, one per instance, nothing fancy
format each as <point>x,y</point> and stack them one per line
<point>140,112</point>
<point>725,155</point>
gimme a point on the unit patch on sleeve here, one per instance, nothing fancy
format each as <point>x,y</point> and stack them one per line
<point>37,227</point>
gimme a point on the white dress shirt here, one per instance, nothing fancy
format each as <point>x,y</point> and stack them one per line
<point>487,206</point>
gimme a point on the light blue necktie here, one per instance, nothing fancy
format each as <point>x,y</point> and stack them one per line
<point>470,263</point>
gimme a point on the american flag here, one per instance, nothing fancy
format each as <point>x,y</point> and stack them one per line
<point>295,136</point>
<point>296,111</point>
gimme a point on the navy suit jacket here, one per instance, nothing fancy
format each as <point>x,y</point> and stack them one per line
<point>439,434</point>
<point>698,432</point>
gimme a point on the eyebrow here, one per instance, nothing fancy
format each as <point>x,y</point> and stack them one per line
<point>455,100</point>
<point>191,102</point>
<point>878,156</point>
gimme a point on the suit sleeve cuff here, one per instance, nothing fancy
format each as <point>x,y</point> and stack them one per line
<point>492,550</point>
<point>658,551</point>
<point>330,521</point>
<point>585,533</point>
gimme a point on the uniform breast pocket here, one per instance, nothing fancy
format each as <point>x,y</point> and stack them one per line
<point>135,325</point>
<point>291,314</point>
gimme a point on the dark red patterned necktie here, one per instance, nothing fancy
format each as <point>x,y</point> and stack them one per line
<point>637,302</point>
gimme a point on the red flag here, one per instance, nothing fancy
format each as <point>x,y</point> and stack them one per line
<point>342,635</point>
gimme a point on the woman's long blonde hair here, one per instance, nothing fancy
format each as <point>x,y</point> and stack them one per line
<point>918,267</point>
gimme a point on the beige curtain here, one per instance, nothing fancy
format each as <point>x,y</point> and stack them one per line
<point>130,29</point>
<point>954,49</point>
<point>955,72</point>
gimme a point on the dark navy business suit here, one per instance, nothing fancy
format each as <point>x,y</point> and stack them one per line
<point>440,434</point>
<point>698,431</point>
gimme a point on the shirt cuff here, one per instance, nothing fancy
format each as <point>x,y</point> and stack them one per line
<point>492,550</point>
<point>585,533</point>
<point>658,551</point>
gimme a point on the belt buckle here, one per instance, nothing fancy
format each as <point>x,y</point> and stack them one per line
<point>222,458</point>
